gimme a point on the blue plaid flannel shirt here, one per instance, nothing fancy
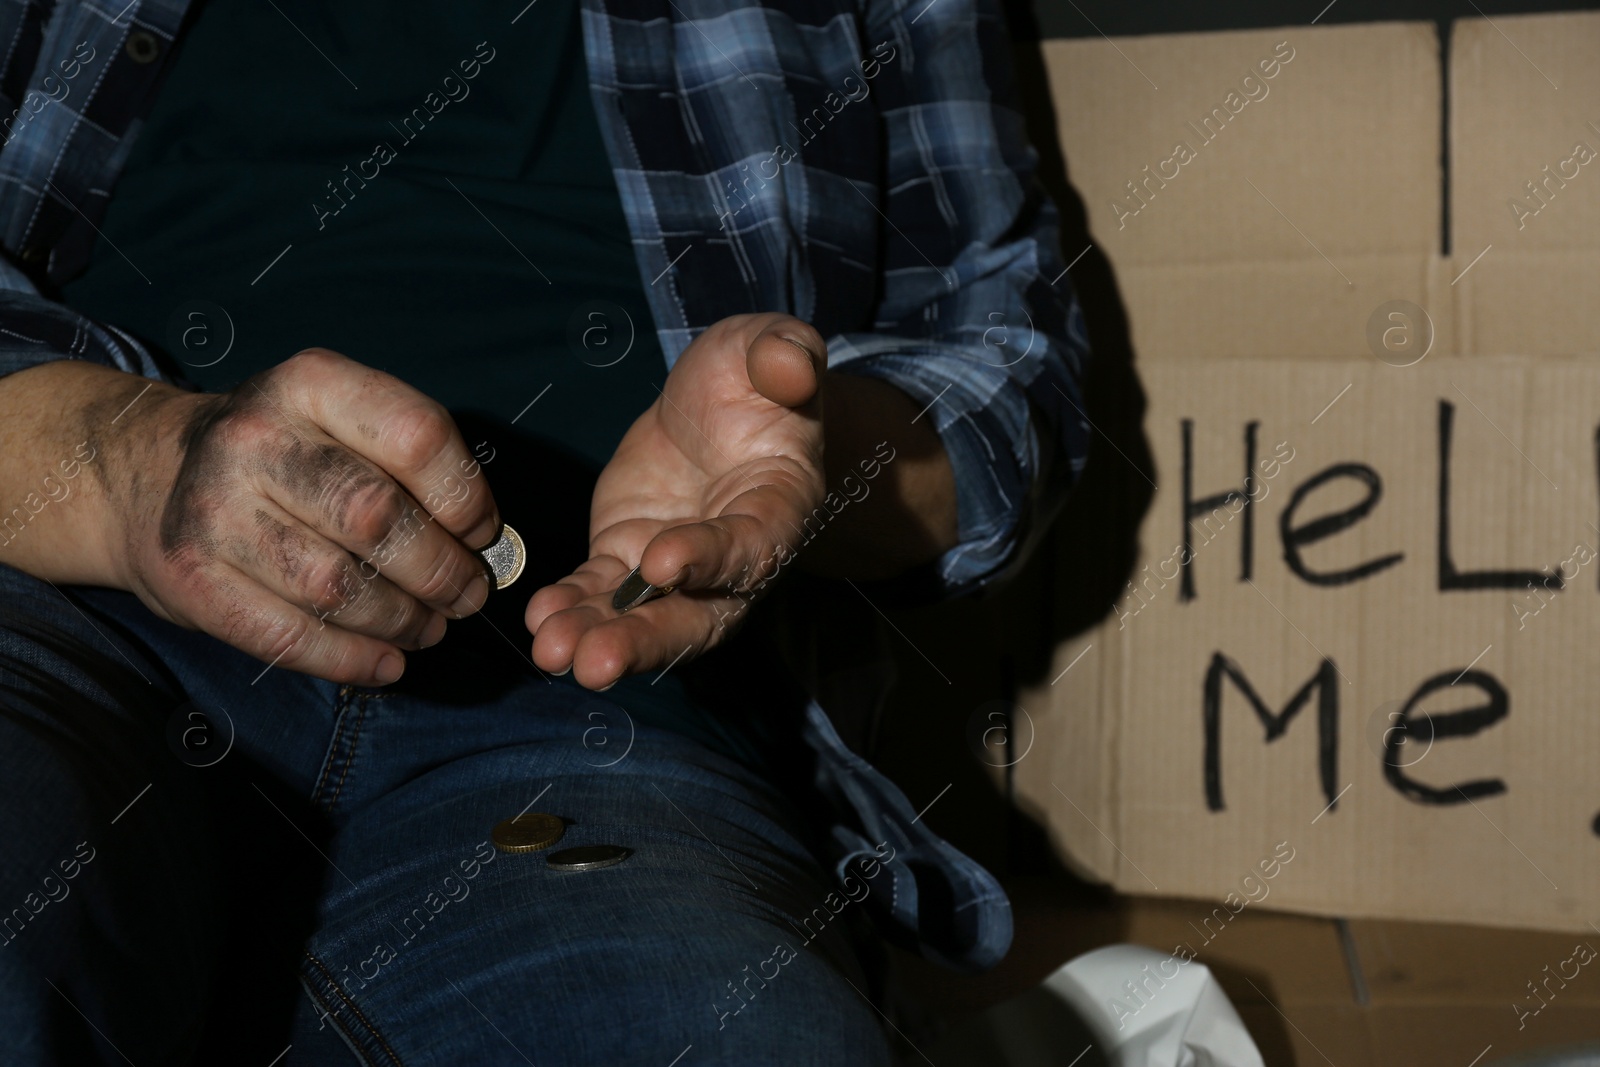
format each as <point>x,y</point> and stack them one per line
<point>860,164</point>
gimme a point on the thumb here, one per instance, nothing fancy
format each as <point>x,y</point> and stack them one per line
<point>786,360</point>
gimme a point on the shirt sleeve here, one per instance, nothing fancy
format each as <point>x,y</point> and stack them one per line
<point>978,321</point>
<point>35,330</point>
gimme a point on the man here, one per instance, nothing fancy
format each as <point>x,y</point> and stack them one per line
<point>287,287</point>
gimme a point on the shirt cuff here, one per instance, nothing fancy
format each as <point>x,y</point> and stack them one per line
<point>984,419</point>
<point>34,330</point>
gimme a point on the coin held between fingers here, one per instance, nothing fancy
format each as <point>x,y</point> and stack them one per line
<point>506,557</point>
<point>634,591</point>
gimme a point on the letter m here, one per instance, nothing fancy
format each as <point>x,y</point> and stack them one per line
<point>1323,683</point>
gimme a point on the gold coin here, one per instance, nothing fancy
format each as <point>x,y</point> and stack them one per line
<point>505,557</point>
<point>528,832</point>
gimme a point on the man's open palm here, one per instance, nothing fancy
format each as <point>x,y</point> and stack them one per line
<point>707,492</point>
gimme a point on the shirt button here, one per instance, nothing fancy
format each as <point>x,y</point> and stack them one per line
<point>142,46</point>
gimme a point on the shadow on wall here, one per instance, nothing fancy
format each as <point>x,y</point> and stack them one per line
<point>956,663</point>
<point>1094,545</point>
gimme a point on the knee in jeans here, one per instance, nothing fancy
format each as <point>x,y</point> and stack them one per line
<point>783,999</point>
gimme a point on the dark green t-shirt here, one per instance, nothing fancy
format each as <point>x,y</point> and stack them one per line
<point>422,187</point>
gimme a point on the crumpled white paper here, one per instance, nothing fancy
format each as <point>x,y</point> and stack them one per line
<point>1154,1009</point>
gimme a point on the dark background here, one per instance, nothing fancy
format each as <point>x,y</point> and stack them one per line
<point>1031,21</point>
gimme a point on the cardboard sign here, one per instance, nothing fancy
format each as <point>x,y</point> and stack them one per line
<point>1365,625</point>
<point>1366,616</point>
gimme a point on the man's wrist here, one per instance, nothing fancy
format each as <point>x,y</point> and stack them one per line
<point>140,453</point>
<point>891,502</point>
<point>69,444</point>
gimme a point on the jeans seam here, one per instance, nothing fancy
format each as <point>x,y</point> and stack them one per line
<point>371,1030</point>
<point>350,756</point>
<point>341,705</point>
<point>328,1014</point>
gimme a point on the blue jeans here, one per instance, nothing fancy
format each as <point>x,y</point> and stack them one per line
<point>186,830</point>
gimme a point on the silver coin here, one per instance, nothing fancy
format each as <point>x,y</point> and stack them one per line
<point>506,557</point>
<point>587,857</point>
<point>634,591</point>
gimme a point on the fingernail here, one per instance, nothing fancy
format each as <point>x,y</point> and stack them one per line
<point>603,688</point>
<point>476,593</point>
<point>564,671</point>
<point>433,633</point>
<point>483,535</point>
<point>390,668</point>
<point>798,343</point>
